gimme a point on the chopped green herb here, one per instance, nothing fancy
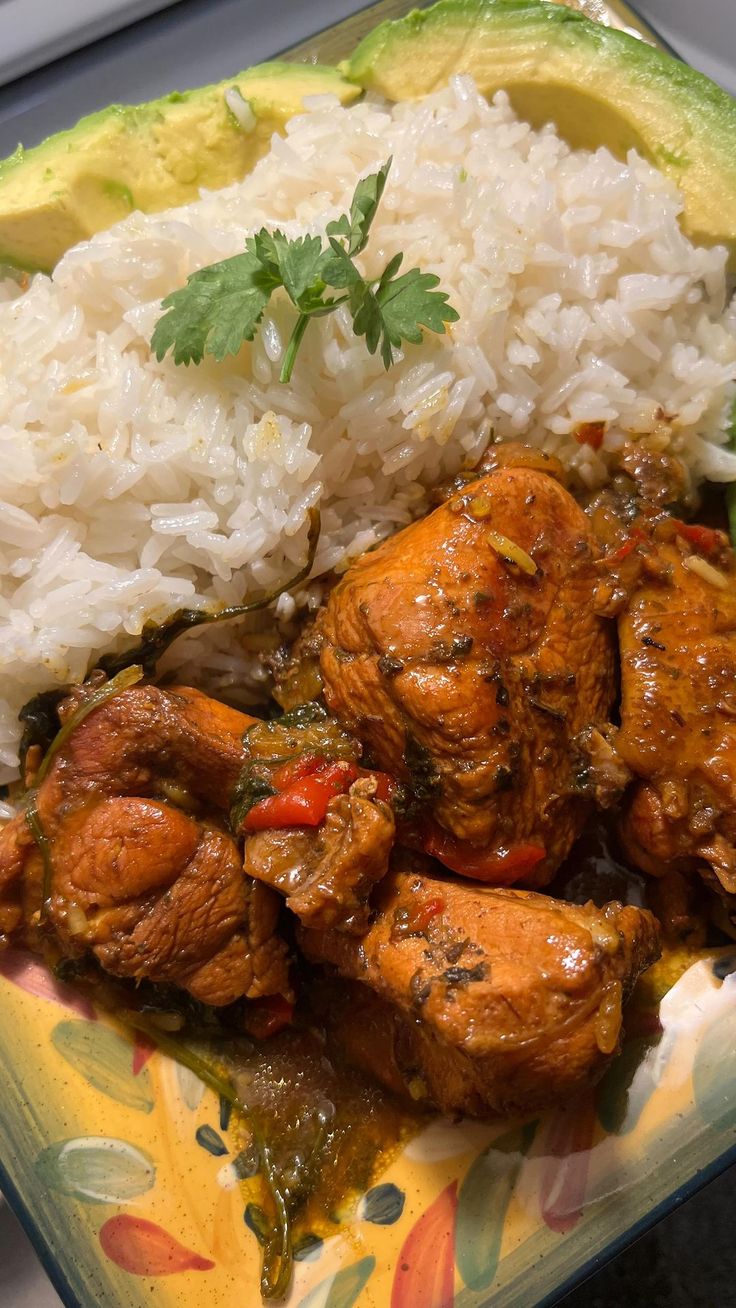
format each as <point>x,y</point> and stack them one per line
<point>35,826</point>
<point>249,791</point>
<point>40,721</point>
<point>418,795</point>
<point>222,305</point>
<point>126,677</point>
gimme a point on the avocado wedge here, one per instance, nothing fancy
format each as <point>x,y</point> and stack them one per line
<point>147,157</point>
<point>598,85</point>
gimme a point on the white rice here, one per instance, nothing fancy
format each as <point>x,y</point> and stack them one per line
<point>129,488</point>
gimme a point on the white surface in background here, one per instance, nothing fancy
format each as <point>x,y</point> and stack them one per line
<point>703,32</point>
<point>33,32</point>
<point>23,1282</point>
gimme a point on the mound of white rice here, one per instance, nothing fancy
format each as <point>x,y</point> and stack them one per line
<point>129,488</point>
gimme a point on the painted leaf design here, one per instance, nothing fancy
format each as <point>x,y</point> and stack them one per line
<point>565,1146</point>
<point>191,1088</point>
<point>143,1048</point>
<point>425,1269</point>
<point>382,1204</point>
<point>345,1286</point>
<point>714,1069</point>
<point>226,1109</point>
<point>145,1249</point>
<point>103,1058</point>
<point>97,1169</point>
<point>36,979</point>
<point>308,1248</point>
<point>627,1086</point>
<point>482,1204</point>
<point>208,1138</point>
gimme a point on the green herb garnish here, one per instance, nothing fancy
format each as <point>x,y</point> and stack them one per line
<point>221,305</point>
<point>128,676</point>
<point>416,796</point>
<point>250,789</point>
<point>35,826</point>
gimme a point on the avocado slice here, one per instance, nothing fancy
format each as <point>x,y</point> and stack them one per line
<point>147,157</point>
<point>598,85</point>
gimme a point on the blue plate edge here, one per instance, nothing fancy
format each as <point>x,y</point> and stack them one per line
<point>40,1244</point>
<point>627,1238</point>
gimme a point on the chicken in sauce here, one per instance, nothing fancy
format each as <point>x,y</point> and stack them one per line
<point>490,1000</point>
<point>446,727</point>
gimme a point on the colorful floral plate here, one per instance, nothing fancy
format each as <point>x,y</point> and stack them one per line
<point>122,1168</point>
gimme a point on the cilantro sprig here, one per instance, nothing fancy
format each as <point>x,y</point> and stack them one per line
<point>222,305</point>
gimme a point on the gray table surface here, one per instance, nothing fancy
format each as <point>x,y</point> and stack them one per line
<point>689,1260</point>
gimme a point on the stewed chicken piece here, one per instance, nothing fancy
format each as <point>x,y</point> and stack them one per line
<point>466,654</point>
<point>127,853</point>
<point>479,999</point>
<point>678,707</point>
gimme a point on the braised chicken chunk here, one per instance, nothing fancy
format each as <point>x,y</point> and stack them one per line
<point>141,869</point>
<point>484,1000</point>
<point>678,708</point>
<point>466,654</point>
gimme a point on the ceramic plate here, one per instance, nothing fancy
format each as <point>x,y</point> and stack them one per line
<point>123,1169</point>
<point>125,1172</point>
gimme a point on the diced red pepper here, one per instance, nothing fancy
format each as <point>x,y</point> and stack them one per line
<point>590,433</point>
<point>421,914</point>
<point>635,537</point>
<point>301,766</point>
<point>264,1017</point>
<point>305,802</point>
<point>305,785</point>
<point>704,539</point>
<point>501,868</point>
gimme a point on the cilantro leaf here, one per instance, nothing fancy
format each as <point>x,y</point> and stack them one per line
<point>367,197</point>
<point>294,264</point>
<point>337,268</point>
<point>399,307</point>
<point>219,308</point>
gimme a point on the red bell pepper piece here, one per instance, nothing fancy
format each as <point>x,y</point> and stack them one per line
<point>635,537</point>
<point>304,803</point>
<point>704,539</point>
<point>421,914</point>
<point>264,1017</point>
<point>301,766</point>
<point>501,868</point>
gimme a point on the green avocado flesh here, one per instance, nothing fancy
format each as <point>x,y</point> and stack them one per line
<point>598,85</point>
<point>147,157</point>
